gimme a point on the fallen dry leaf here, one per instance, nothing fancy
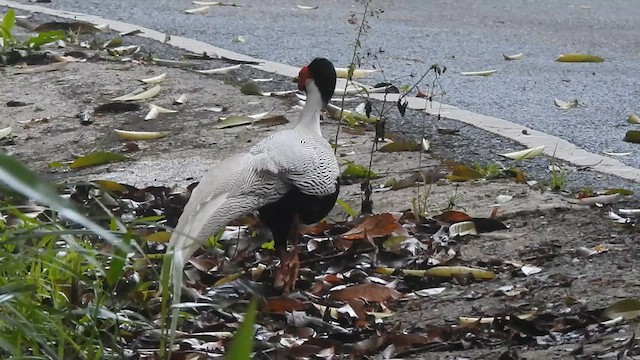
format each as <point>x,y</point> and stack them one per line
<point>43,68</point>
<point>366,292</point>
<point>282,305</point>
<point>478,73</point>
<point>155,79</point>
<point>140,135</point>
<point>513,57</point>
<point>576,57</point>
<point>147,94</point>
<point>373,226</point>
<point>524,154</point>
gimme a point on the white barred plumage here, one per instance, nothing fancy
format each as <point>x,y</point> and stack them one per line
<point>290,168</point>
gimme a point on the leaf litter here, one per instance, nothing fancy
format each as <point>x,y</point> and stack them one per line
<point>344,303</point>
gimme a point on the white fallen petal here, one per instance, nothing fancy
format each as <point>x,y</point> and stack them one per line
<point>524,154</point>
<point>630,212</point>
<point>223,70</point>
<point>611,153</point>
<point>5,132</point>
<point>343,73</point>
<point>501,199</point>
<point>152,114</point>
<point>262,80</point>
<point>181,99</point>
<point>633,119</point>
<point>162,110</point>
<point>513,57</point>
<point>154,110</point>
<point>240,39</point>
<point>155,80</point>
<point>141,96</point>
<point>530,269</point>
<point>462,228</point>
<point>426,144</point>
<point>198,10</point>
<point>566,105</point>
<point>140,135</point>
<point>430,292</point>
<point>302,7</point>
<point>617,218</point>
<point>478,73</point>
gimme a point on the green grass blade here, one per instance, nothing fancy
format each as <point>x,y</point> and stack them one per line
<point>19,178</point>
<point>8,20</point>
<point>242,343</point>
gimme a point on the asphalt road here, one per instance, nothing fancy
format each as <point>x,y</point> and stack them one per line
<point>464,35</point>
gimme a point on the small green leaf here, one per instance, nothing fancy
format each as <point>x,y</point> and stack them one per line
<point>116,267</point>
<point>627,308</point>
<point>250,88</point>
<point>44,38</point>
<point>462,173</point>
<point>269,245</point>
<point>97,158</point>
<point>8,21</point>
<point>358,171</point>
<point>619,191</point>
<point>632,136</point>
<point>348,209</point>
<point>400,146</point>
<point>242,343</point>
<point>56,164</point>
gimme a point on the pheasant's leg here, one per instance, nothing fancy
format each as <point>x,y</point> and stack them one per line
<point>287,273</point>
<point>293,259</point>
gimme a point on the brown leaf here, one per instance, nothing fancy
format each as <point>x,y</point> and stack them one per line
<point>272,121</point>
<point>283,305</point>
<point>406,341</point>
<point>76,27</point>
<point>373,226</point>
<point>367,292</point>
<point>42,68</point>
<point>452,217</point>
<point>317,229</point>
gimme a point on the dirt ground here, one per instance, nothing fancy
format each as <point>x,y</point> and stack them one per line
<point>545,229</point>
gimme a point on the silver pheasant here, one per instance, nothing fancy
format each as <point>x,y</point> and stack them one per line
<point>290,173</point>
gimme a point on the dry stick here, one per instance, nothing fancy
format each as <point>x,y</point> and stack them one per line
<point>352,65</point>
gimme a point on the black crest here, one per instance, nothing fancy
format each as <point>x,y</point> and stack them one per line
<point>324,75</point>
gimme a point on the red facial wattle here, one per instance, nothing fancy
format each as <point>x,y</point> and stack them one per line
<point>302,78</point>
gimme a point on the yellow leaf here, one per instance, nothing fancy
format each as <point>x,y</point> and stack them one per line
<point>463,173</point>
<point>449,271</point>
<point>159,237</point>
<point>97,158</point>
<point>576,57</point>
<point>140,135</point>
